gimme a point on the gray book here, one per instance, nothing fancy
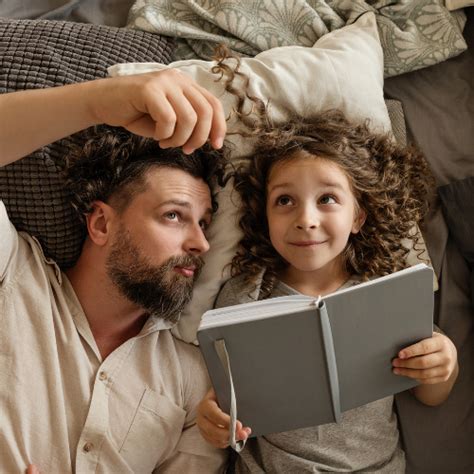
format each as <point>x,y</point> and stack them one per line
<point>297,361</point>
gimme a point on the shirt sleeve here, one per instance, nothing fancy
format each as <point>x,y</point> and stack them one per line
<point>8,243</point>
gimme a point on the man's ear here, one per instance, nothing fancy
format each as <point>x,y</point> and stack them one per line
<point>99,222</point>
<point>359,220</point>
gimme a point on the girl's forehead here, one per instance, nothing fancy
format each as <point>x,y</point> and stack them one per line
<point>303,164</point>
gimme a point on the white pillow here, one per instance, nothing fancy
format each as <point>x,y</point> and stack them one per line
<point>343,70</point>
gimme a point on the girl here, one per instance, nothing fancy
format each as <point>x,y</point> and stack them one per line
<point>327,205</point>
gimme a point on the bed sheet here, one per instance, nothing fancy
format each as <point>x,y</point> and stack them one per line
<point>439,108</point>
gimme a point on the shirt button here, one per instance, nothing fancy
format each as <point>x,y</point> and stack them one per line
<point>103,375</point>
<point>87,447</point>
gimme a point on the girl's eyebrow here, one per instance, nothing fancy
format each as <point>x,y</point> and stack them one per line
<point>280,185</point>
<point>326,184</point>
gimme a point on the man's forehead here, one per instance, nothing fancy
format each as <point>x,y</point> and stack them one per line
<point>175,186</point>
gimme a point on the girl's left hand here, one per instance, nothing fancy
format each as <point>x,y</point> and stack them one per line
<point>429,361</point>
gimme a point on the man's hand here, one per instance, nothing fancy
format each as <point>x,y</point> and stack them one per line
<point>166,105</point>
<point>213,423</point>
<point>32,469</point>
<point>433,363</point>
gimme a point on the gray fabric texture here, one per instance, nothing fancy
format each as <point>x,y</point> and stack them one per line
<point>457,200</point>
<point>37,54</point>
<point>366,439</point>
<point>101,12</point>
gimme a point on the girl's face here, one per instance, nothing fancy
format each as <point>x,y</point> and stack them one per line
<point>311,212</point>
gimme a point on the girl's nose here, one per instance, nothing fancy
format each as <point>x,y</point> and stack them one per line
<point>308,219</point>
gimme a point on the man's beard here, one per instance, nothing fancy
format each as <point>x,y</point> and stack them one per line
<point>158,289</point>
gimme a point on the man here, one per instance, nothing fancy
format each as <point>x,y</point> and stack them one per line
<point>91,379</point>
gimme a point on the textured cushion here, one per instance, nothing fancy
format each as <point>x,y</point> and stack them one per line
<point>344,70</point>
<point>37,54</point>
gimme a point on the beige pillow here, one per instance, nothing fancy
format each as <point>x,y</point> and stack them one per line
<point>457,4</point>
<point>343,70</point>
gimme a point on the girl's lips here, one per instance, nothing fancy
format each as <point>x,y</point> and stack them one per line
<point>307,243</point>
<point>186,271</point>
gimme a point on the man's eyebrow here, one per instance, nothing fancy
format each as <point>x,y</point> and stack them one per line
<point>176,202</point>
<point>186,204</point>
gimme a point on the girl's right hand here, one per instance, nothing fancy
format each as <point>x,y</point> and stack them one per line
<point>213,423</point>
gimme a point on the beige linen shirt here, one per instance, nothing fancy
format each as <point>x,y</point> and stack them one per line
<point>66,409</point>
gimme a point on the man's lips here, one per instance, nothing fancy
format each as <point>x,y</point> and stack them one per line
<point>186,271</point>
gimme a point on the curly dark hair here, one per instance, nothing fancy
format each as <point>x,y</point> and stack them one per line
<point>392,184</point>
<point>113,163</point>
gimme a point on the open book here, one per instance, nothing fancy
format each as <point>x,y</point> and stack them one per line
<point>297,361</point>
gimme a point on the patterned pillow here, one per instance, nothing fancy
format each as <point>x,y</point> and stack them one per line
<point>36,54</point>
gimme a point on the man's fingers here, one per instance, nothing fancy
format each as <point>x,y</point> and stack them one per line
<point>160,111</point>
<point>219,124</point>
<point>144,126</point>
<point>186,118</point>
<point>204,113</point>
<point>426,346</point>
<point>32,469</point>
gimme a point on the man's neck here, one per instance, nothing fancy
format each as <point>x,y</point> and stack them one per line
<point>112,318</point>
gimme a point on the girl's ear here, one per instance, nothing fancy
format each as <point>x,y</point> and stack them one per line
<point>359,220</point>
<point>99,222</point>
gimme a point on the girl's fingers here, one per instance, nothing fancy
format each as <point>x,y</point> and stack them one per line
<point>426,346</point>
<point>421,375</point>
<point>214,434</point>
<point>211,411</point>
<point>421,362</point>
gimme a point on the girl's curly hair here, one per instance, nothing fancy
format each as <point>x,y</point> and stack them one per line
<point>391,183</point>
<point>112,164</point>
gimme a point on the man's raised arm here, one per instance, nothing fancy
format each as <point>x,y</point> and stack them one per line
<point>166,105</point>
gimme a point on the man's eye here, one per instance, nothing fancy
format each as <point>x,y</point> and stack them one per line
<point>327,200</point>
<point>283,201</point>
<point>204,225</point>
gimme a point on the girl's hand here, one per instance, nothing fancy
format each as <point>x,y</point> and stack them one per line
<point>213,423</point>
<point>433,363</point>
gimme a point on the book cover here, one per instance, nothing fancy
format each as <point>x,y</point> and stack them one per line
<point>297,361</point>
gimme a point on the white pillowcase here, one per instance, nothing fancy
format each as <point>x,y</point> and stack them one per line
<point>343,70</point>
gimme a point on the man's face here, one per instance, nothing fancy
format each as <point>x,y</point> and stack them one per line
<point>158,242</point>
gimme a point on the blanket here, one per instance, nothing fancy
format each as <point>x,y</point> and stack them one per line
<point>413,34</point>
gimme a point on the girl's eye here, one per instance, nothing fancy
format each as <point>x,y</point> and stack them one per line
<point>172,216</point>
<point>327,200</point>
<point>283,201</point>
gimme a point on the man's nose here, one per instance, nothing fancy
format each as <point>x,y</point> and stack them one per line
<point>196,243</point>
<point>307,219</point>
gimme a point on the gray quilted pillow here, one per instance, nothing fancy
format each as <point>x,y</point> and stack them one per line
<point>39,53</point>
